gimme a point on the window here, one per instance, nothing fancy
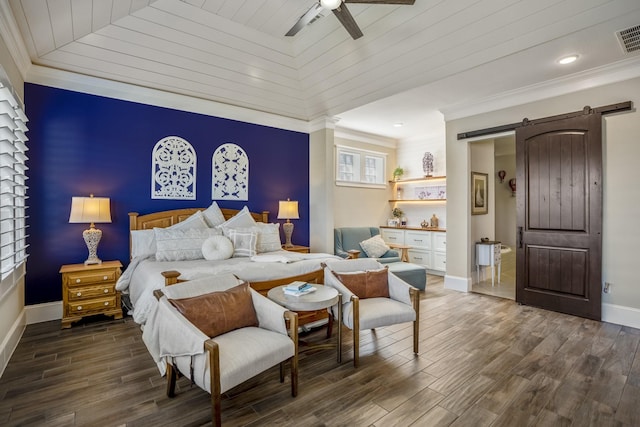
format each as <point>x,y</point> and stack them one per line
<point>13,188</point>
<point>361,168</point>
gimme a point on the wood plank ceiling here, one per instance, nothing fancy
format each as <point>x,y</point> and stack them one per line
<point>235,52</point>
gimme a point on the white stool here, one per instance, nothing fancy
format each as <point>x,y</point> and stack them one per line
<point>488,254</point>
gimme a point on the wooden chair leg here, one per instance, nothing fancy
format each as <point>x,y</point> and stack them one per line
<point>355,309</point>
<point>171,380</point>
<point>281,372</point>
<point>294,375</point>
<point>214,379</point>
<point>415,299</point>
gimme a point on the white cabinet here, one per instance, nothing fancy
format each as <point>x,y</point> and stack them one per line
<point>427,248</point>
<point>488,254</point>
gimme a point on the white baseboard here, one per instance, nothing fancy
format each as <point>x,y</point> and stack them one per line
<point>621,315</point>
<point>461,284</point>
<point>46,312</point>
<point>11,341</point>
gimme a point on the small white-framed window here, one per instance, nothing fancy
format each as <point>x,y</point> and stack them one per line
<point>360,168</point>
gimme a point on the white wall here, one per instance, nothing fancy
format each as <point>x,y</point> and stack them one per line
<point>621,202</point>
<point>482,160</point>
<point>505,201</point>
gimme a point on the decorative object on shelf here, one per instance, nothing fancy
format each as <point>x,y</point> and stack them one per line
<point>512,185</point>
<point>501,175</point>
<point>288,210</point>
<point>230,169</point>
<point>89,210</point>
<point>403,221</point>
<point>399,193</point>
<point>423,193</point>
<point>434,221</point>
<point>397,213</point>
<point>424,224</point>
<point>397,173</point>
<point>393,222</point>
<point>173,174</point>
<point>427,164</point>
<point>479,193</point>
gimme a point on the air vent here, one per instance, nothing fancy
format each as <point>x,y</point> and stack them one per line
<point>629,39</point>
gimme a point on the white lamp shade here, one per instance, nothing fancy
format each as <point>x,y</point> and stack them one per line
<point>288,209</point>
<point>90,210</point>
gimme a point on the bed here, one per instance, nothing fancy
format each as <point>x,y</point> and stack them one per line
<point>263,271</point>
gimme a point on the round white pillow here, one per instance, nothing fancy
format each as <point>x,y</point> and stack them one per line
<point>216,248</point>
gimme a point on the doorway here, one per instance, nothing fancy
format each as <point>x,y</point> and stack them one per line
<point>495,155</point>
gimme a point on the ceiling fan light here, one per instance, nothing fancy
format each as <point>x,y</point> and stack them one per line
<point>330,4</point>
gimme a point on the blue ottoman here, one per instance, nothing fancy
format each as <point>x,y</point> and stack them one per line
<point>413,274</point>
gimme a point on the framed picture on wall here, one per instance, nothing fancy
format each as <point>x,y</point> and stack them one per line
<point>479,193</point>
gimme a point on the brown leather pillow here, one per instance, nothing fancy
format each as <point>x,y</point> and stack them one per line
<point>366,284</point>
<point>217,313</point>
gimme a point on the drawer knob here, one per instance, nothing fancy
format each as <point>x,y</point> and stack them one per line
<point>78,280</point>
<point>106,290</point>
<point>106,303</point>
<point>79,308</point>
<point>105,277</point>
<point>79,294</point>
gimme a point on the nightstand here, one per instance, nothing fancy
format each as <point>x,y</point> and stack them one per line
<point>297,248</point>
<point>89,290</point>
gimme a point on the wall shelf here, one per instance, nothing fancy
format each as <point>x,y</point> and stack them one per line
<point>423,179</point>
<point>417,200</point>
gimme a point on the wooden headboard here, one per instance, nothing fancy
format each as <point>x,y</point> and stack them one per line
<point>166,219</point>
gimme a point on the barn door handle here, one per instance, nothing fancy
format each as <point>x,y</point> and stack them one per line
<point>520,237</point>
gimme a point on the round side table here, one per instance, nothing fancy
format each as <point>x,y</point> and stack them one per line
<point>322,297</point>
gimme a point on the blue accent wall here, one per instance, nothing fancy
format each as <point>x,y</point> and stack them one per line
<point>84,144</point>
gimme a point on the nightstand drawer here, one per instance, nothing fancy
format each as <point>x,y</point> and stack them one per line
<point>78,293</point>
<point>95,305</point>
<point>86,277</point>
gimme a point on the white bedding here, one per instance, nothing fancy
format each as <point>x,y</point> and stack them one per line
<point>142,276</point>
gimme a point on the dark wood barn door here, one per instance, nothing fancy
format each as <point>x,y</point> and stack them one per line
<point>559,214</point>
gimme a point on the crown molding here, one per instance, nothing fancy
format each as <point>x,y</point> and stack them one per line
<point>10,33</point>
<point>324,122</point>
<point>127,92</point>
<point>368,138</point>
<point>600,76</point>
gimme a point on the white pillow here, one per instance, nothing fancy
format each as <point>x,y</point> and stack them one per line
<point>244,242</point>
<point>241,219</point>
<point>213,215</point>
<point>194,221</point>
<point>181,245</point>
<point>143,243</point>
<point>217,248</point>
<point>374,247</point>
<point>268,237</point>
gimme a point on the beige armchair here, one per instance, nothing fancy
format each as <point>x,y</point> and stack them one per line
<point>220,363</point>
<point>402,305</point>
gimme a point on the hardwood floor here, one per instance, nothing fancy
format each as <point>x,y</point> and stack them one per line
<point>484,361</point>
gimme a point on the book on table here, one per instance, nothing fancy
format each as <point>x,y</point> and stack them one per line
<point>298,288</point>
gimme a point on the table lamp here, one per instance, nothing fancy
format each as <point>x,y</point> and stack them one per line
<point>288,210</point>
<point>89,210</point>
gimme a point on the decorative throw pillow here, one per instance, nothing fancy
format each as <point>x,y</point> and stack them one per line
<point>374,247</point>
<point>366,284</point>
<point>216,248</point>
<point>244,242</point>
<point>194,221</point>
<point>241,219</point>
<point>213,215</point>
<point>217,313</point>
<point>268,236</point>
<point>181,245</point>
<point>143,243</point>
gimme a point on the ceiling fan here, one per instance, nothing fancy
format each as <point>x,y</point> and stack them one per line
<point>339,9</point>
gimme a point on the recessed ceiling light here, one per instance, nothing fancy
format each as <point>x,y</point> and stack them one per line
<point>398,125</point>
<point>567,59</point>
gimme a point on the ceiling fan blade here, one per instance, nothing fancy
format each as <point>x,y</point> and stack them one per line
<point>305,19</point>
<point>405,2</point>
<point>347,21</point>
